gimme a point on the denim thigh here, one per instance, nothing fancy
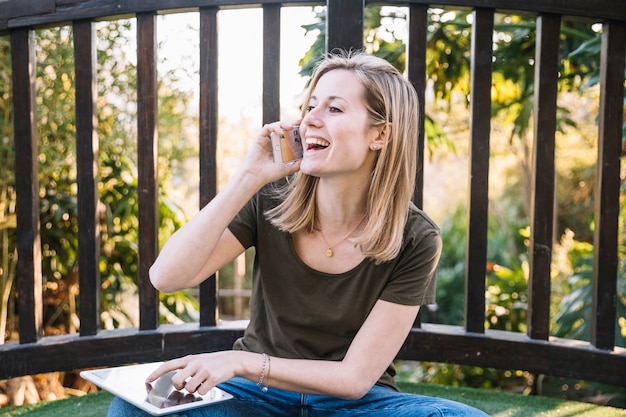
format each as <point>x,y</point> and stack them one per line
<point>381,401</point>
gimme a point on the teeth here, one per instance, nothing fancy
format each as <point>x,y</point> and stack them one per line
<point>318,142</point>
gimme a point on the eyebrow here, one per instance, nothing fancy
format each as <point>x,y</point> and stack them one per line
<point>330,98</point>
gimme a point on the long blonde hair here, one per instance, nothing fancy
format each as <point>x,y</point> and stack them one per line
<point>390,100</point>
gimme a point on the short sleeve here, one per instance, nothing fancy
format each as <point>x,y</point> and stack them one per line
<point>412,281</point>
<point>244,225</point>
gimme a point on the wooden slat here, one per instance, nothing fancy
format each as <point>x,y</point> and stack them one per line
<point>514,351</point>
<point>208,143</point>
<point>480,131</point>
<point>344,23</point>
<point>436,343</point>
<point>601,9</point>
<point>14,8</point>
<point>113,347</point>
<point>607,193</point>
<point>28,273</point>
<point>208,104</point>
<point>542,204</point>
<point>147,137</point>
<point>87,176</point>
<point>598,9</point>
<point>44,12</point>
<point>271,63</point>
<point>416,70</point>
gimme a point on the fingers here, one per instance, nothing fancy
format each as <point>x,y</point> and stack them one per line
<point>190,382</point>
<point>268,128</point>
<point>277,127</point>
<point>166,367</point>
<point>190,374</point>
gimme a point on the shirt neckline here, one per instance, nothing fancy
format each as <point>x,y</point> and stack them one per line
<point>299,260</point>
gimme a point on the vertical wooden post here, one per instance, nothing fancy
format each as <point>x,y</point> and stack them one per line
<point>28,274</point>
<point>271,63</point>
<point>607,205</point>
<point>344,24</point>
<point>147,137</point>
<point>87,176</point>
<point>416,69</point>
<point>542,204</point>
<point>480,132</point>
<point>209,314</point>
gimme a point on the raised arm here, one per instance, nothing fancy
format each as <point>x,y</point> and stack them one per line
<point>204,244</point>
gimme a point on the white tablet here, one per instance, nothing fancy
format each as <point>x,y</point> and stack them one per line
<point>158,398</point>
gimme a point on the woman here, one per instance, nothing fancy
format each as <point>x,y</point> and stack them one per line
<point>343,258</point>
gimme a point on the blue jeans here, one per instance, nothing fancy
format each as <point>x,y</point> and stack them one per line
<point>250,401</point>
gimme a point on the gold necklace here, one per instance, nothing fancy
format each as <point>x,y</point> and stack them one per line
<point>329,248</point>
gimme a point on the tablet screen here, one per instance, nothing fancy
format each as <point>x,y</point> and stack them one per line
<point>158,398</point>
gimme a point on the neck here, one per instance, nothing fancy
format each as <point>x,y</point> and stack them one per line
<point>339,208</point>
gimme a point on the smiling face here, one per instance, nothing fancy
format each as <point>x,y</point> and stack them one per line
<point>335,130</point>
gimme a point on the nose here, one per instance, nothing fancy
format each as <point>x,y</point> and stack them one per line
<point>311,118</point>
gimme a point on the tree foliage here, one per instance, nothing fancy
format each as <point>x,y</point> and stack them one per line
<point>117,185</point>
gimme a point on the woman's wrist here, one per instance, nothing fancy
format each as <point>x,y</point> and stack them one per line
<point>249,366</point>
<point>264,375</point>
<point>252,181</point>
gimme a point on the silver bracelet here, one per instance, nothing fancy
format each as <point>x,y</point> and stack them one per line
<point>265,373</point>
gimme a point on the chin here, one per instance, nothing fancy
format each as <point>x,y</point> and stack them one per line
<point>306,168</point>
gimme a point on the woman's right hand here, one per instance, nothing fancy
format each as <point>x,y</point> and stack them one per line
<point>259,161</point>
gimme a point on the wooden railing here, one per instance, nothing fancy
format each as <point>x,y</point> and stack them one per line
<point>472,344</point>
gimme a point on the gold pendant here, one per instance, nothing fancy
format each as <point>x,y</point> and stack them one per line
<point>329,252</point>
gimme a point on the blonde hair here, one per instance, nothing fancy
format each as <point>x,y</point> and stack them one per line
<point>390,100</point>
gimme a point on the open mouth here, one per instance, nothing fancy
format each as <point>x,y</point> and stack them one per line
<point>316,143</point>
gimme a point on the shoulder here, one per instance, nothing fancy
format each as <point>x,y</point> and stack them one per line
<point>419,224</point>
<point>421,234</point>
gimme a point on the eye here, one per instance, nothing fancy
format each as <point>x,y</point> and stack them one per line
<point>309,108</point>
<point>334,109</point>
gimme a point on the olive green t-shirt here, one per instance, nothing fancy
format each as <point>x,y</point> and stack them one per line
<point>300,313</point>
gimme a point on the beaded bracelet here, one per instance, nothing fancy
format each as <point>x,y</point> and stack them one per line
<point>265,374</point>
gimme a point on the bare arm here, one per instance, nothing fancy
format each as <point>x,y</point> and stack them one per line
<point>204,244</point>
<point>372,350</point>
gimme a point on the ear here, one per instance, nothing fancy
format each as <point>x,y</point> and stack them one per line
<point>383,137</point>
